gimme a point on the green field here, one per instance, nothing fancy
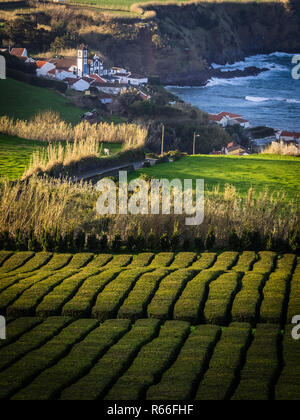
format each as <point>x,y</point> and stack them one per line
<point>23,101</point>
<point>15,154</point>
<point>149,326</point>
<point>278,173</point>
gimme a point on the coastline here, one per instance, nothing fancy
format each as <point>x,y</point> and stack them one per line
<point>202,77</point>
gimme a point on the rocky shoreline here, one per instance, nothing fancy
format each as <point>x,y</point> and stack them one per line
<point>201,78</point>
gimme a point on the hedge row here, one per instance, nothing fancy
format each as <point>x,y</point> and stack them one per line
<point>58,262</point>
<point>163,259</point>
<point>142,260</point>
<point>31,341</point>
<point>205,261</point>
<point>190,304</point>
<point>53,303</point>
<point>4,255</point>
<point>266,262</point>
<point>294,300</point>
<point>225,261</point>
<point>247,302</point>
<point>262,364</point>
<point>16,261</point>
<point>246,261</point>
<point>170,288</point>
<point>135,306</point>
<point>80,260</point>
<point>81,304</point>
<point>275,296</point>
<point>114,294</point>
<point>220,298</point>
<point>285,263</point>
<point>226,362</point>
<point>26,369</point>
<point>113,364</point>
<point>77,363</point>
<point>9,280</point>
<point>32,297</point>
<point>11,294</point>
<point>151,362</point>
<point>38,261</point>
<point>17,328</point>
<point>287,387</point>
<point>119,261</point>
<point>183,260</point>
<point>179,382</point>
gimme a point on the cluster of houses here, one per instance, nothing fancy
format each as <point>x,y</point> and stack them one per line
<point>225,119</point>
<point>82,73</point>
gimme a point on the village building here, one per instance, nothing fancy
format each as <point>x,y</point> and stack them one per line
<point>289,137</point>
<point>19,52</point>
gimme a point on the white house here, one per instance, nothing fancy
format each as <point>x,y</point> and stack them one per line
<point>137,80</point>
<point>44,67</point>
<point>239,121</point>
<point>217,119</point>
<point>80,85</point>
<point>289,136</point>
<point>109,88</point>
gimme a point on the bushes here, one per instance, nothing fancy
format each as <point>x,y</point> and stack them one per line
<point>163,259</point>
<point>275,294</point>
<point>190,304</point>
<point>221,294</point>
<point>109,368</point>
<point>113,296</point>
<point>168,292</point>
<point>31,340</point>
<point>266,262</point>
<point>135,305</point>
<point>119,261</point>
<point>204,262</point>
<point>77,363</point>
<point>287,387</point>
<point>16,261</point>
<point>183,260</point>
<point>81,304</point>
<point>53,303</point>
<point>35,362</point>
<point>294,300</point>
<point>37,262</point>
<point>179,381</point>
<point>37,81</point>
<point>142,260</point>
<point>225,261</point>
<point>18,328</point>
<point>210,238</point>
<point>153,359</point>
<point>245,262</point>
<point>219,380</point>
<point>262,365</point>
<point>246,303</point>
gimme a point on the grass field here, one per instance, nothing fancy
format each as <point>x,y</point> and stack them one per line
<point>15,154</point>
<point>117,327</point>
<point>278,173</point>
<point>23,101</point>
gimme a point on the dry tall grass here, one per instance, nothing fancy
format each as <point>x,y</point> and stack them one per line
<point>48,203</point>
<point>282,149</point>
<point>49,127</point>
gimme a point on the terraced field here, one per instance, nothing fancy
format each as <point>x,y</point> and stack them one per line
<point>168,326</point>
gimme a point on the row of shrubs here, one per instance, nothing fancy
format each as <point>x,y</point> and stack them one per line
<point>79,241</point>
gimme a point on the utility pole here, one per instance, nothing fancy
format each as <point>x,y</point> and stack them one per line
<point>163,140</point>
<point>194,142</point>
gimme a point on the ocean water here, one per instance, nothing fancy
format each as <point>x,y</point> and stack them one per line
<point>271,98</point>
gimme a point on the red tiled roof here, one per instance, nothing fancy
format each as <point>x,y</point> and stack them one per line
<point>97,78</point>
<point>40,64</point>
<point>214,117</point>
<point>18,52</point>
<point>53,71</point>
<point>229,114</point>
<point>291,134</point>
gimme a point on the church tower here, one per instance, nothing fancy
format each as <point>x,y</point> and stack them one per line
<point>82,61</point>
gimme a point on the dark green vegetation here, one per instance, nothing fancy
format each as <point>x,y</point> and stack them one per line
<point>183,326</point>
<point>23,101</point>
<point>277,173</point>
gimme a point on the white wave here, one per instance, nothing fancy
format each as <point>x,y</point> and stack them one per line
<point>281,54</point>
<point>293,101</point>
<point>256,99</point>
